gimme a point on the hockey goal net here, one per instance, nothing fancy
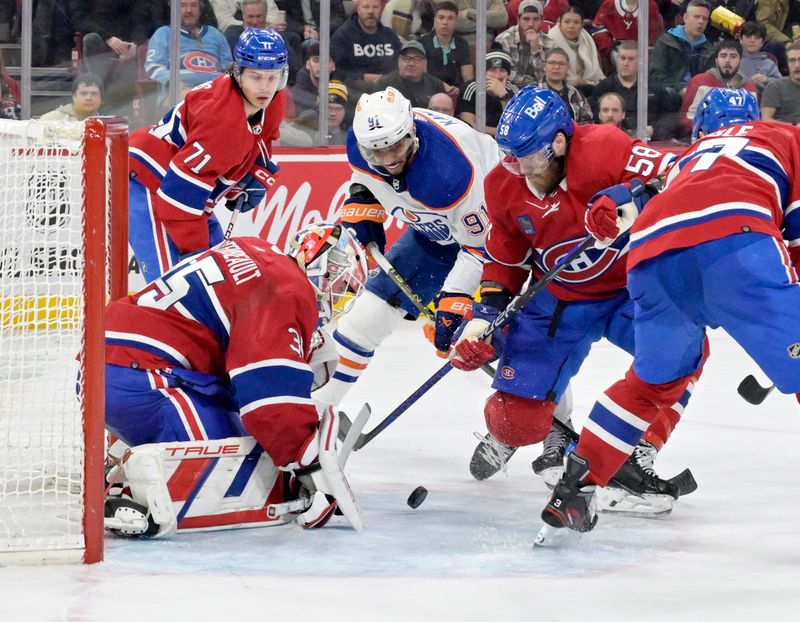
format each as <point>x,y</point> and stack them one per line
<point>63,253</point>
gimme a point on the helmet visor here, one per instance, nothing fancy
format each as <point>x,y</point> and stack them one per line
<point>387,156</point>
<point>530,164</point>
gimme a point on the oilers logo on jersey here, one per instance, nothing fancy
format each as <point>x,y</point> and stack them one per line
<point>431,225</point>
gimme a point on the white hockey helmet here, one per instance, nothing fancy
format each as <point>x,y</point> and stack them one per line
<point>381,120</point>
<point>335,264</point>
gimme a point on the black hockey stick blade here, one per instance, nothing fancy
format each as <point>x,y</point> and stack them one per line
<point>752,391</point>
<point>684,482</point>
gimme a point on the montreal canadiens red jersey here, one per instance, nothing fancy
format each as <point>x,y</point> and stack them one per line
<point>527,227</point>
<point>198,150</point>
<point>738,179</point>
<point>613,22</point>
<point>241,310</point>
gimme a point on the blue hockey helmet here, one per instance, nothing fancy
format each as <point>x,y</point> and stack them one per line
<point>529,124</point>
<point>723,107</point>
<point>262,48</point>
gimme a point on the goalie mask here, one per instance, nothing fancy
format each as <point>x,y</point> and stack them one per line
<point>335,264</point>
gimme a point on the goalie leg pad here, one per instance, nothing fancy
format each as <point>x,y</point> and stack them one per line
<point>518,421</point>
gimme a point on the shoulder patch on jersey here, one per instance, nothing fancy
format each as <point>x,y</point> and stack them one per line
<point>441,174</point>
<point>526,224</point>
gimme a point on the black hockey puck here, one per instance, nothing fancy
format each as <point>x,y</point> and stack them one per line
<point>417,496</point>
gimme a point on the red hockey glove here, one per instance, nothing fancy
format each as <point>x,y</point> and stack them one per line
<point>472,353</point>
<point>613,210</point>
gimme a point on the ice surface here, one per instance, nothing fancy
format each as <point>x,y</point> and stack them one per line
<point>730,551</point>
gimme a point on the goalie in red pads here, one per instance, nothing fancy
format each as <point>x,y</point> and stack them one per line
<point>222,348</point>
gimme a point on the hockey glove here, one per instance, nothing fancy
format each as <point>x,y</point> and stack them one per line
<point>364,217</point>
<point>612,211</point>
<point>471,352</point>
<point>450,312</point>
<point>253,186</point>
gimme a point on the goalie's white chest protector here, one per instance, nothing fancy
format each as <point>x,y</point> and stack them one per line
<point>440,194</point>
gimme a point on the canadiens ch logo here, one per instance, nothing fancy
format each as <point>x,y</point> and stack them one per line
<point>794,351</point>
<point>507,372</point>
<point>588,265</point>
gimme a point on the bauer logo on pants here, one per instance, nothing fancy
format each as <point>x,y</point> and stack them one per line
<point>794,351</point>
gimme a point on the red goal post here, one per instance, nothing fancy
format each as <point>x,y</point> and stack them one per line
<point>63,254</point>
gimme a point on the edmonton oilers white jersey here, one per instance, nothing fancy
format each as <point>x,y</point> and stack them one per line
<point>440,194</point>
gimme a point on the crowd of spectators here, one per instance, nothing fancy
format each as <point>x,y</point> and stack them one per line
<point>585,50</point>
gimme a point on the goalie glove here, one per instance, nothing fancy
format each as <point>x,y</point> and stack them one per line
<point>612,211</point>
<point>253,186</point>
<point>322,482</point>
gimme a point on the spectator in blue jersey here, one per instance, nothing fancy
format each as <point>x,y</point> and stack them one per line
<point>204,52</point>
<point>363,48</point>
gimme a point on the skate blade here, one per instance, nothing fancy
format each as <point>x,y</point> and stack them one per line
<point>550,537</point>
<point>617,501</point>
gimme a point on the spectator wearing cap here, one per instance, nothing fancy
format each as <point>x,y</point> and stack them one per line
<point>584,61</point>
<point>499,90</point>
<point>306,87</point>
<point>618,20</point>
<point>338,115</point>
<point>525,44</point>
<point>448,53</point>
<point>87,97</point>
<point>556,65</point>
<point>411,77</point>
<point>442,103</point>
<point>363,48</point>
<point>552,11</point>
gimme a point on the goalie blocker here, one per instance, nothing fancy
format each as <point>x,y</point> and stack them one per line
<point>230,483</point>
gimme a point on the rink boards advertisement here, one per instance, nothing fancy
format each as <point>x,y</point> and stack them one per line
<point>311,185</point>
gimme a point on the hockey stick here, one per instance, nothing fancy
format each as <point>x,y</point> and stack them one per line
<point>752,391</point>
<point>234,215</point>
<point>385,265</point>
<point>683,482</point>
<point>502,318</point>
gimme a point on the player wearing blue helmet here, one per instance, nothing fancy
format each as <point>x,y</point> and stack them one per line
<point>213,146</point>
<point>530,125</point>
<point>723,107</point>
<point>718,247</point>
<point>537,206</point>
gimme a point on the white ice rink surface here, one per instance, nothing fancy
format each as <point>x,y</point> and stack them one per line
<point>730,551</point>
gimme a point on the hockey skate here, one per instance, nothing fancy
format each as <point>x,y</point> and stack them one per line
<point>572,502</point>
<point>550,465</point>
<point>122,516</point>
<point>490,456</point>
<point>638,491</point>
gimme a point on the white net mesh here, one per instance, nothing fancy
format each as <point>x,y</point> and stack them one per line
<point>41,265</point>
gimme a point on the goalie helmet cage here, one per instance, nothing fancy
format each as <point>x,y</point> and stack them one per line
<point>63,254</point>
